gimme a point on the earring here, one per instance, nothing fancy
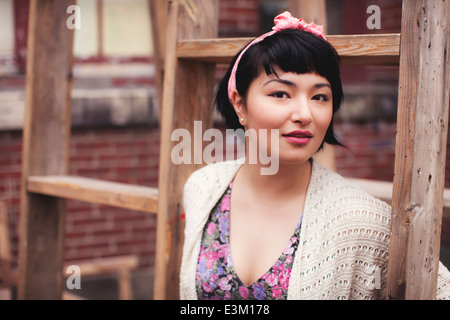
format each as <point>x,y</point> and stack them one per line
<point>242,119</point>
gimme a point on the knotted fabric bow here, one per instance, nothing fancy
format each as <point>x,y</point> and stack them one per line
<point>282,22</point>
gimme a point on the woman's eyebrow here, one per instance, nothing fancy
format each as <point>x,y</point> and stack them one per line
<point>286,82</point>
<point>292,84</point>
<point>321,85</point>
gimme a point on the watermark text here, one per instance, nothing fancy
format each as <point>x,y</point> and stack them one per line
<point>263,146</point>
<point>74,20</point>
<point>74,280</point>
<point>374,20</point>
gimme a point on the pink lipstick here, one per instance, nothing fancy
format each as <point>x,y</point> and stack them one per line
<point>298,137</point>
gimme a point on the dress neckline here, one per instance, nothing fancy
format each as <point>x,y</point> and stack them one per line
<point>288,246</point>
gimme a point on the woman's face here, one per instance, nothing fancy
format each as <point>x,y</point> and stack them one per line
<point>300,106</point>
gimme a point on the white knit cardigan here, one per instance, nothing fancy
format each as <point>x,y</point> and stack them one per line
<point>344,238</point>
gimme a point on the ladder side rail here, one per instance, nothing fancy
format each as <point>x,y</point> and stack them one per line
<point>422,125</point>
<point>46,136</point>
<point>187,96</point>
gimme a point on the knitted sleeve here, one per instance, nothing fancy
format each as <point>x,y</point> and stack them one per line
<point>443,283</point>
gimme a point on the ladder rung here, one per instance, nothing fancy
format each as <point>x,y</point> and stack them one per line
<point>379,189</point>
<point>104,264</point>
<point>133,197</point>
<point>367,49</point>
<point>383,190</point>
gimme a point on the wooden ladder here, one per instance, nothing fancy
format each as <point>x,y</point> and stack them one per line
<point>191,52</point>
<point>45,183</point>
<point>193,49</point>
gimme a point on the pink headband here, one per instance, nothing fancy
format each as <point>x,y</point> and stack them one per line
<point>282,22</point>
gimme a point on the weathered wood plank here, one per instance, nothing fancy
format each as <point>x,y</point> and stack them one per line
<point>158,18</point>
<point>132,197</point>
<point>383,190</point>
<point>7,279</point>
<point>187,97</point>
<point>422,125</point>
<point>103,265</point>
<point>45,148</point>
<point>373,49</point>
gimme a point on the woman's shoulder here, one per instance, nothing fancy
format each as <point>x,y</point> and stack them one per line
<point>345,210</point>
<point>338,191</point>
<point>205,185</point>
<point>213,174</point>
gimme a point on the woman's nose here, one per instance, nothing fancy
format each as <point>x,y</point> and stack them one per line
<point>301,112</point>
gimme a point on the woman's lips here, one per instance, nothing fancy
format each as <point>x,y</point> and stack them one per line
<point>298,137</point>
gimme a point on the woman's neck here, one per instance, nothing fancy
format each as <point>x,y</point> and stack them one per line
<point>291,180</point>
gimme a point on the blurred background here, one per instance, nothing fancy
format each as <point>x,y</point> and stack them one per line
<point>115,120</point>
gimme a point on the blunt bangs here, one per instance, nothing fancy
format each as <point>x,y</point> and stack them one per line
<point>292,51</point>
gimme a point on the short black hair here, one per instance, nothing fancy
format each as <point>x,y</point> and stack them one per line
<point>291,50</point>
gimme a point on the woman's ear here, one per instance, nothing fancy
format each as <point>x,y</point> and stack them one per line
<point>239,106</point>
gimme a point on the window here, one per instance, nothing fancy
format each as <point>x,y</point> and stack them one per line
<point>7,43</point>
<point>114,29</point>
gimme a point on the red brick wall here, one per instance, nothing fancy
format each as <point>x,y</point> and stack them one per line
<point>122,155</point>
<point>370,153</point>
<point>10,175</point>
<point>128,155</point>
<point>239,18</point>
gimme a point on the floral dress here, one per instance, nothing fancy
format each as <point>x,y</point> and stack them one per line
<point>216,278</point>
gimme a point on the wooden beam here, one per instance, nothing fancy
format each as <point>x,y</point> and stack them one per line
<point>45,148</point>
<point>103,265</point>
<point>5,248</point>
<point>167,114</point>
<point>158,18</point>
<point>6,274</point>
<point>370,49</point>
<point>379,189</point>
<point>132,197</point>
<point>188,87</point>
<point>422,125</point>
<point>383,190</point>
<point>121,265</point>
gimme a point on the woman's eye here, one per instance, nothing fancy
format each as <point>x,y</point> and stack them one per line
<point>321,98</point>
<point>279,95</point>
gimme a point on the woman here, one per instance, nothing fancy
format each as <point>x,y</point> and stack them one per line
<point>303,232</point>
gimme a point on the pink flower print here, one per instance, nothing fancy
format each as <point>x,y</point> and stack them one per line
<point>277,267</point>
<point>272,279</point>
<point>211,228</point>
<point>224,285</point>
<point>223,251</point>
<point>214,277</point>
<point>202,256</point>
<point>206,287</point>
<point>283,279</point>
<point>276,293</point>
<point>289,249</point>
<point>225,204</point>
<point>243,292</point>
<point>210,259</point>
<point>288,259</point>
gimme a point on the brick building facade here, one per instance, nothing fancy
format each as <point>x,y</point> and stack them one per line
<point>115,133</point>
